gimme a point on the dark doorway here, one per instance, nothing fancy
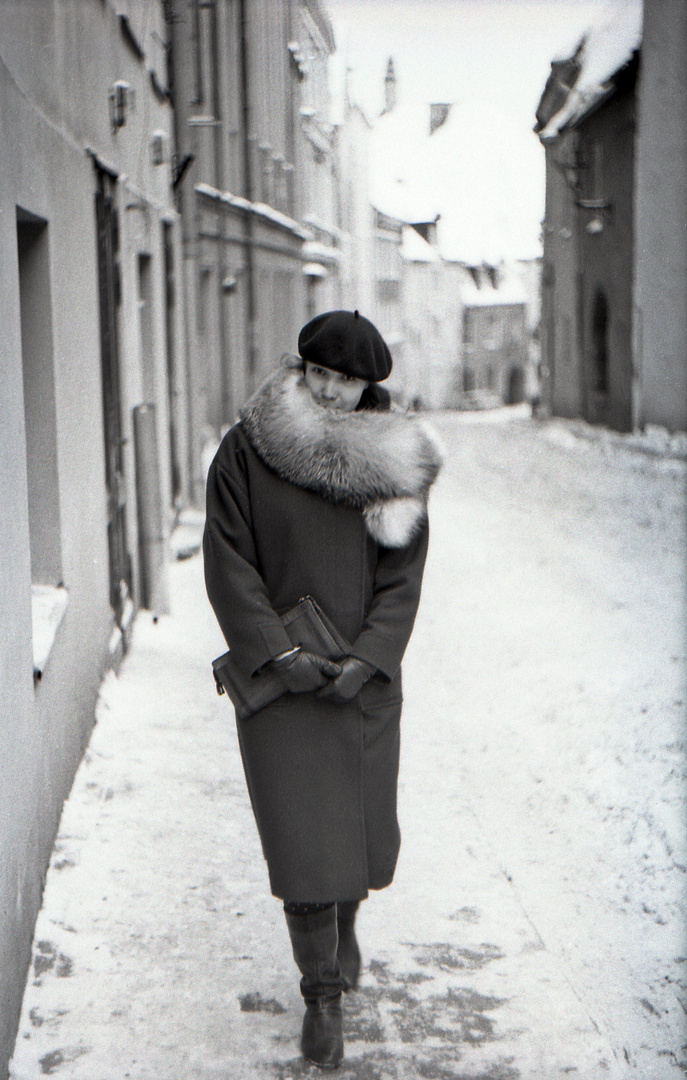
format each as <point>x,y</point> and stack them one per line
<point>172,383</point>
<point>39,399</point>
<point>109,300</point>
<point>600,357</point>
<point>516,386</point>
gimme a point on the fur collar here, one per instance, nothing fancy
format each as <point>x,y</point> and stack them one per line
<point>382,463</point>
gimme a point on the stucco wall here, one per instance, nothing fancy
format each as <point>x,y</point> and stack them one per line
<point>606,255</point>
<point>58,63</point>
<point>661,220</point>
<point>562,377</point>
<point>44,729</point>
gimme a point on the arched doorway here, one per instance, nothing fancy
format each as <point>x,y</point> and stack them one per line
<point>600,352</point>
<point>516,385</point>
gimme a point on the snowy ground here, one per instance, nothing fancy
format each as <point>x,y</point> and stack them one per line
<point>536,925</point>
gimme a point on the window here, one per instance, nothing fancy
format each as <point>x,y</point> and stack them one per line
<point>266,173</point>
<point>39,399</point>
<point>493,330</point>
<point>388,290</point>
<point>48,596</point>
<point>145,316</point>
<point>202,310</point>
<point>171,356</point>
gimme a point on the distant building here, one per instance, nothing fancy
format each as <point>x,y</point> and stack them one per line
<point>411,306</point>
<point>431,317</point>
<point>387,300</point>
<point>93,442</point>
<point>357,219</point>
<point>659,389</point>
<point>614,126</point>
<point>461,335</point>
<point>257,190</point>
<point>494,337</point>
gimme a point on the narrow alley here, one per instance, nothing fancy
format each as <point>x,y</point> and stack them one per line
<point>534,929</point>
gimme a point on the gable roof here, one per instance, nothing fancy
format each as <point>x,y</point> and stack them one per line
<point>414,248</point>
<point>603,52</point>
<point>484,289</point>
<point>400,164</point>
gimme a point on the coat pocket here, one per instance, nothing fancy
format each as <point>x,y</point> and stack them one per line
<point>379,693</point>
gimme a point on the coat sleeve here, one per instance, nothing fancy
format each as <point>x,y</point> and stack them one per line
<point>234,586</point>
<point>389,623</point>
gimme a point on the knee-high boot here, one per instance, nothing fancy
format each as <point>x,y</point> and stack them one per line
<point>314,939</point>
<point>348,951</point>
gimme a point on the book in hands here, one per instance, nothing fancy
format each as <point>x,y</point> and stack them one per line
<point>306,625</point>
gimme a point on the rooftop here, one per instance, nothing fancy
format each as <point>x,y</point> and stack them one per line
<point>602,52</point>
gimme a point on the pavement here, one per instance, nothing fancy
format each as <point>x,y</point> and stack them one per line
<point>160,954</point>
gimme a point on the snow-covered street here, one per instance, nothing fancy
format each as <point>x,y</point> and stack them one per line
<point>535,928</point>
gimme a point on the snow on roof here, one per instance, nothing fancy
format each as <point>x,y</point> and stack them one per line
<point>415,176</point>
<point>415,248</point>
<point>398,165</point>
<point>260,210</point>
<point>606,48</point>
<point>509,290</point>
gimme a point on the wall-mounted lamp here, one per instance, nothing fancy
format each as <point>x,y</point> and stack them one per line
<point>157,147</point>
<point>121,102</point>
<point>299,63</point>
<point>230,281</point>
<point>601,212</point>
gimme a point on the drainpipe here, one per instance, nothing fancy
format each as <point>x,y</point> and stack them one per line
<point>248,194</point>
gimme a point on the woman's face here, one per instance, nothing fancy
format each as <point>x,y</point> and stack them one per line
<point>333,389</point>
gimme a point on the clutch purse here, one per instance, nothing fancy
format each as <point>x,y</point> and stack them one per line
<point>306,625</point>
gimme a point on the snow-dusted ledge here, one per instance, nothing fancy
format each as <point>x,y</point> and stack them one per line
<point>48,605</point>
<point>259,210</point>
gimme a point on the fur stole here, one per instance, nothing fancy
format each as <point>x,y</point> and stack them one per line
<point>382,463</point>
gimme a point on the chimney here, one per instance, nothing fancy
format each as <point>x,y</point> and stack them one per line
<point>389,87</point>
<point>438,115</point>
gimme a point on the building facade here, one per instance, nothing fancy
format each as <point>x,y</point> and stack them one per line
<point>494,338</point>
<point>357,217</point>
<point>92,445</point>
<point>588,249</point>
<point>257,191</point>
<point>431,324</point>
<point>659,390</point>
<point>614,282</point>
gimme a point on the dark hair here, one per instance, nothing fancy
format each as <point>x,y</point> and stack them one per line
<point>373,396</point>
<point>376,397</point>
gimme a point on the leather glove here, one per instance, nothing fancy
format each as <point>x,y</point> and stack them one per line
<point>305,671</point>
<point>354,675</point>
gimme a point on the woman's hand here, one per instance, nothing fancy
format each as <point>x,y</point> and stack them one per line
<point>354,675</point>
<point>305,672</point>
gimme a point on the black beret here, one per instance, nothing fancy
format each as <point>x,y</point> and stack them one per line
<point>348,342</point>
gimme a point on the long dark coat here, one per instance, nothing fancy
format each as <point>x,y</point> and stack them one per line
<point>322,777</point>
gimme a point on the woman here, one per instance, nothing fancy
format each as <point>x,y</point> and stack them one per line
<point>321,490</point>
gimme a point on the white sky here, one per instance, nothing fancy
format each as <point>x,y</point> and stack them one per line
<point>491,59</point>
